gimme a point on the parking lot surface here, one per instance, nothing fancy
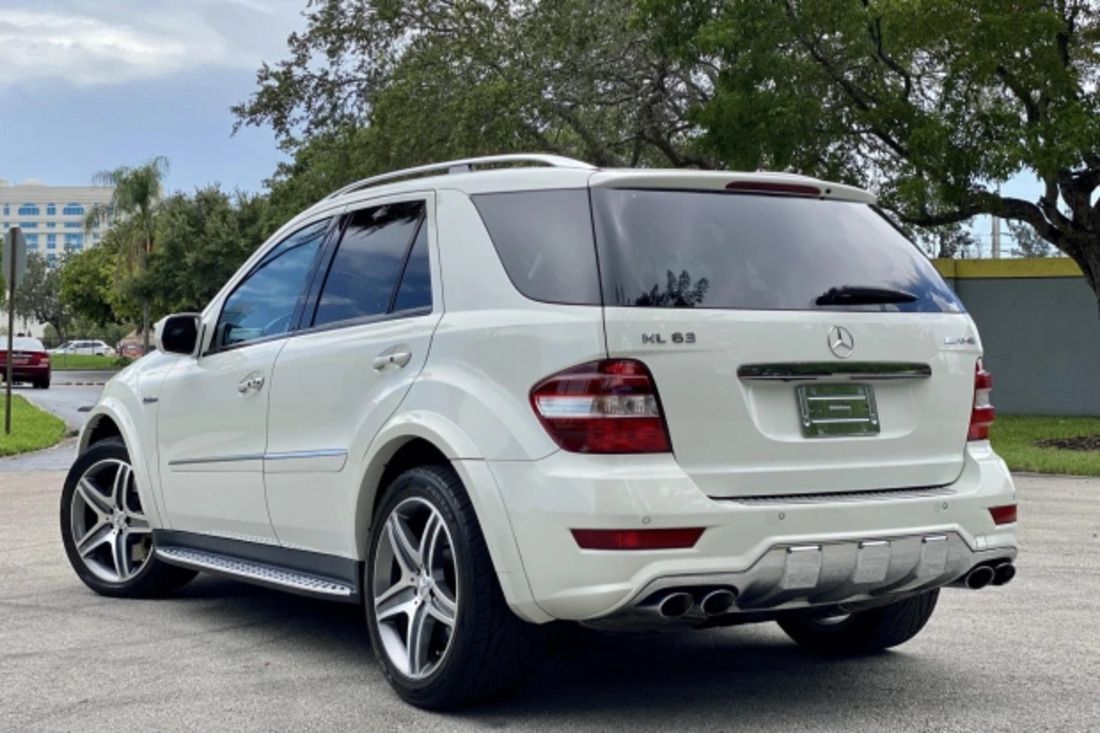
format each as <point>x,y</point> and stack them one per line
<point>220,655</point>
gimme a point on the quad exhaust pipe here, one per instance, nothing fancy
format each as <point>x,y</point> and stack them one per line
<point>675,605</point>
<point>1003,573</point>
<point>718,602</point>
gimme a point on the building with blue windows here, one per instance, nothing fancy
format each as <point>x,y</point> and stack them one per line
<point>52,217</point>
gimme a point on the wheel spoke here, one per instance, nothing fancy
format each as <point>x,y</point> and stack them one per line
<point>432,528</point>
<point>95,501</point>
<point>441,610</point>
<point>120,554</point>
<point>416,641</point>
<point>395,601</point>
<point>403,545</point>
<point>121,484</point>
<point>139,526</point>
<point>93,538</point>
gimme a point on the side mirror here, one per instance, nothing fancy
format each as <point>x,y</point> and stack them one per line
<point>178,333</point>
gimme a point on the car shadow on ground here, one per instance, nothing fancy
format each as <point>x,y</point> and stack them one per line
<point>752,672</point>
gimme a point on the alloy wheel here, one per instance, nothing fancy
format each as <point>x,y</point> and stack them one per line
<point>415,588</point>
<point>109,528</point>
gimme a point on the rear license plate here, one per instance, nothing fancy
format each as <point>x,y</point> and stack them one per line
<point>837,410</point>
<point>20,362</point>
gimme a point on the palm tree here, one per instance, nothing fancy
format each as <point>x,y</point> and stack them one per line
<point>136,200</point>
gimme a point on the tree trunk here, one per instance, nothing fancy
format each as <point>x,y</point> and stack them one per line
<point>145,325</point>
<point>1087,258</point>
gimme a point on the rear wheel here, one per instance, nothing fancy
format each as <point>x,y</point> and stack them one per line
<point>863,632</point>
<point>104,528</point>
<point>438,621</point>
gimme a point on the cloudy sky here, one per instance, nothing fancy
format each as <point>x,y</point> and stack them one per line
<point>87,85</point>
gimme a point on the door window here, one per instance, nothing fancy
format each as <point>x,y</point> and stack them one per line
<point>265,302</point>
<point>415,290</point>
<point>363,277</point>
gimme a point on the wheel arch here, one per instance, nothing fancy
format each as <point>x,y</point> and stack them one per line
<point>109,420</point>
<point>414,439</point>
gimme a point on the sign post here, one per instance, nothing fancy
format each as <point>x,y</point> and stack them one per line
<point>15,265</point>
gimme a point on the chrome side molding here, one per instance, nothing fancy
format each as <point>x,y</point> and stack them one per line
<point>810,371</point>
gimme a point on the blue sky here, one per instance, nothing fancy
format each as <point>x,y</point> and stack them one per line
<point>87,85</point>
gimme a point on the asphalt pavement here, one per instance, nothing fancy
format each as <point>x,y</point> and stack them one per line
<point>220,655</point>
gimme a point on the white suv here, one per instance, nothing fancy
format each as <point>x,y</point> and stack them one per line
<point>488,394</point>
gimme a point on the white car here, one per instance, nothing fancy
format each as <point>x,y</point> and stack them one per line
<point>485,395</point>
<point>86,347</point>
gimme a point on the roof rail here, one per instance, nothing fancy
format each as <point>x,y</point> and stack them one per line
<point>463,165</point>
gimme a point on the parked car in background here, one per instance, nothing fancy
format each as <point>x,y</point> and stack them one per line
<point>485,400</point>
<point>30,361</point>
<point>131,349</point>
<point>84,348</point>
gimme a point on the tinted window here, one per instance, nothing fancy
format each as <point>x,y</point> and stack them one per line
<point>368,262</point>
<point>676,249</point>
<point>415,290</point>
<point>544,240</point>
<point>264,303</point>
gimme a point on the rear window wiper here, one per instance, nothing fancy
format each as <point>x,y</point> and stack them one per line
<point>861,295</point>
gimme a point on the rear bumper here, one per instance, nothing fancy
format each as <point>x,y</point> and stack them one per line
<point>25,373</point>
<point>932,537</point>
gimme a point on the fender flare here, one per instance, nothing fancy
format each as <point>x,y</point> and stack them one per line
<point>464,457</point>
<point>114,410</point>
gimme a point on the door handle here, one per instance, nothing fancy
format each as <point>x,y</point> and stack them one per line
<point>391,359</point>
<point>251,383</point>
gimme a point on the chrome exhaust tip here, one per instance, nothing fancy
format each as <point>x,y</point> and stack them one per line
<point>1004,573</point>
<point>675,605</point>
<point>979,577</point>
<point>717,602</point>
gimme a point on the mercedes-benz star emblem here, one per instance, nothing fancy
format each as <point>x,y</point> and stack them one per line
<point>841,342</point>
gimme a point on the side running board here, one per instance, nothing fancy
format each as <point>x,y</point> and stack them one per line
<point>259,573</point>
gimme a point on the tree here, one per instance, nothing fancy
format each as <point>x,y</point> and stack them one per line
<point>135,201</point>
<point>202,239</point>
<point>931,102</point>
<point>38,295</point>
<point>390,84</point>
<point>1028,243</point>
<point>88,285</point>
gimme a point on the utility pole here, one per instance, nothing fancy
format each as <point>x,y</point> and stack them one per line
<point>996,238</point>
<point>15,259</point>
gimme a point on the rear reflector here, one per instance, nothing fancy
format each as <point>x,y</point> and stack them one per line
<point>795,189</point>
<point>637,539</point>
<point>982,413</point>
<point>608,406</point>
<point>1003,514</point>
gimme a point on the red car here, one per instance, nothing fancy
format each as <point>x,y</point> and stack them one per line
<point>30,362</point>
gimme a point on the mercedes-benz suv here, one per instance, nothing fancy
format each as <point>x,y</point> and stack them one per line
<point>484,395</point>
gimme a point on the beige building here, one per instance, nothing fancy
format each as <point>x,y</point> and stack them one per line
<point>52,220</point>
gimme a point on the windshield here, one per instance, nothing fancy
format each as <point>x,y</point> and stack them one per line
<point>702,249</point>
<point>22,343</point>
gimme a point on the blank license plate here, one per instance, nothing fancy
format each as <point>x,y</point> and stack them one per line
<point>837,410</point>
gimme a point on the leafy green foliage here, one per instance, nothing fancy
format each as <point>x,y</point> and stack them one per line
<point>38,294</point>
<point>930,102</point>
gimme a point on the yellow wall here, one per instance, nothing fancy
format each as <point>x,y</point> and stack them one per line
<point>1014,268</point>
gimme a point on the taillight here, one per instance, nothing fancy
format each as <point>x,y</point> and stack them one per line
<point>982,413</point>
<point>1005,514</point>
<point>608,406</point>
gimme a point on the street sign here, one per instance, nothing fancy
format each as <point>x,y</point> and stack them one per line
<point>13,238</point>
<point>14,266</point>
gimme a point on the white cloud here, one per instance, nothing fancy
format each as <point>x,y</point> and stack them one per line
<point>113,41</point>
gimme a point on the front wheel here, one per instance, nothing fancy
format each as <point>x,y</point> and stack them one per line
<point>106,533</point>
<point>863,632</point>
<point>438,621</point>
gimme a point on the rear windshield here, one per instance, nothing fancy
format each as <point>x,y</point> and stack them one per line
<point>22,343</point>
<point>679,249</point>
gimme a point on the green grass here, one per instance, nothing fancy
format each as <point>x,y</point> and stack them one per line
<point>31,428</point>
<point>1014,439</point>
<point>67,362</point>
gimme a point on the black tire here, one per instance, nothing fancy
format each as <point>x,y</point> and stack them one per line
<point>865,632</point>
<point>154,578</point>
<point>42,383</point>
<point>490,647</point>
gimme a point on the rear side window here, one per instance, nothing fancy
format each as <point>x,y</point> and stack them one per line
<point>415,290</point>
<point>701,249</point>
<point>368,263</point>
<point>544,241</point>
